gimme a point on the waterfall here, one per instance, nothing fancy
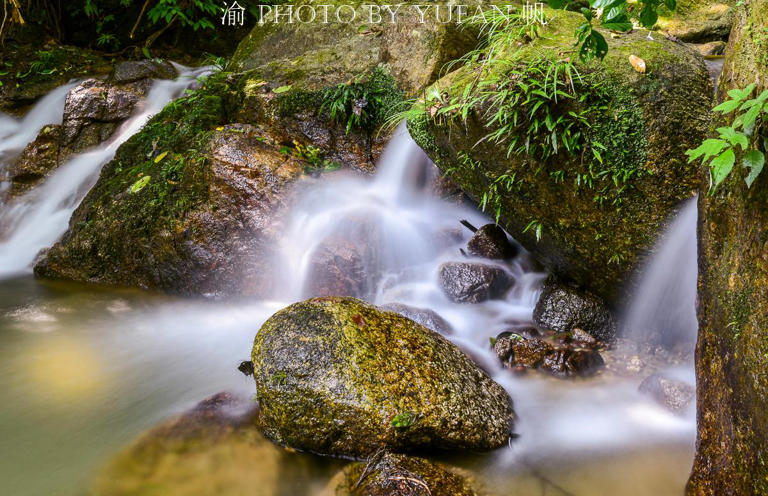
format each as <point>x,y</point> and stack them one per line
<point>663,308</point>
<point>37,219</point>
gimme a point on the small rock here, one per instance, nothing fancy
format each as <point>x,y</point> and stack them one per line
<point>635,365</point>
<point>337,269</point>
<point>530,353</point>
<point>424,316</point>
<point>467,282</point>
<point>490,241</point>
<point>673,394</point>
<point>128,72</point>
<point>38,160</point>
<point>566,363</point>
<point>564,309</point>
<point>400,475</point>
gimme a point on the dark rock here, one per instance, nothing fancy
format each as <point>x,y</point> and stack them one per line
<point>568,362</point>
<point>135,70</point>
<point>530,353</point>
<point>38,160</point>
<point>337,268</point>
<point>467,282</point>
<point>389,474</point>
<point>337,376</point>
<point>490,241</point>
<point>674,395</point>
<point>424,316</point>
<point>564,309</point>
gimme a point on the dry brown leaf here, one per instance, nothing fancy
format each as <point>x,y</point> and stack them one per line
<point>637,63</point>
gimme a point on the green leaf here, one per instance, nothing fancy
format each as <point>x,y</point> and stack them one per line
<point>727,106</point>
<point>146,53</point>
<point>754,160</point>
<point>708,148</point>
<point>160,157</point>
<point>722,165</point>
<point>139,185</point>
<point>282,89</point>
<point>739,95</point>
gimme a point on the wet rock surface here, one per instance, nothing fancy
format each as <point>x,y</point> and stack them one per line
<point>699,21</point>
<point>557,354</point>
<point>337,376</point>
<point>564,309</point>
<point>208,450</point>
<point>387,474</point>
<point>490,241</point>
<point>468,282</point>
<point>337,268</point>
<point>673,394</point>
<point>38,160</point>
<point>424,316</point>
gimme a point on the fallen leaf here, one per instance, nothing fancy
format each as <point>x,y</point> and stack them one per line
<point>160,157</point>
<point>139,185</point>
<point>637,63</point>
<point>282,89</point>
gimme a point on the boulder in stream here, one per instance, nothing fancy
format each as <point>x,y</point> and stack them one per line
<point>564,309</point>
<point>208,450</point>
<point>673,394</point>
<point>590,217</point>
<point>699,21</point>
<point>424,316</point>
<point>469,282</point>
<point>337,376</point>
<point>38,160</point>
<point>490,241</point>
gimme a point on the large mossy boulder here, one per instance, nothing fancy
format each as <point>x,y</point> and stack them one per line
<point>589,215</point>
<point>337,376</point>
<point>208,450</point>
<point>732,349</point>
<point>191,204</point>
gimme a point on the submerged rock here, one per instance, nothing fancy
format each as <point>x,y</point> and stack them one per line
<point>337,268</point>
<point>595,234</point>
<point>208,450</point>
<point>339,377</point>
<point>565,309</point>
<point>490,241</point>
<point>556,357</point>
<point>673,394</point>
<point>424,316</point>
<point>387,474</point>
<point>467,282</point>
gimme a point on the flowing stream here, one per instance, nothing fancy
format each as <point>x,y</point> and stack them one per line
<point>83,370</point>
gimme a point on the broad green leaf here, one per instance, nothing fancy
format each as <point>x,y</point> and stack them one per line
<point>722,165</point>
<point>282,89</point>
<point>755,160</point>
<point>139,185</point>
<point>733,137</point>
<point>741,94</point>
<point>708,148</point>
<point>727,106</point>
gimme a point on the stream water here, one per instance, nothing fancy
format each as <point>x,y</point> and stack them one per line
<point>83,370</point>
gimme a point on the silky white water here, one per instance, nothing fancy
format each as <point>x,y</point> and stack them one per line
<point>37,219</point>
<point>84,370</point>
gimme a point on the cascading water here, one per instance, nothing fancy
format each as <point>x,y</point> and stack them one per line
<point>37,219</point>
<point>132,359</point>
<point>663,308</point>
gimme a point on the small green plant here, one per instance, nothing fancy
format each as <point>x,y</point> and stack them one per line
<point>312,155</point>
<point>721,153</point>
<point>403,420</point>
<point>613,15</point>
<point>363,103</point>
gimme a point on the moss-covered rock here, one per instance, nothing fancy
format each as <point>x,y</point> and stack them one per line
<point>697,21</point>
<point>211,449</point>
<point>589,217</point>
<point>387,474</point>
<point>337,376</point>
<point>732,348</point>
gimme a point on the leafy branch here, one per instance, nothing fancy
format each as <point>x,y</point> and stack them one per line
<point>721,152</point>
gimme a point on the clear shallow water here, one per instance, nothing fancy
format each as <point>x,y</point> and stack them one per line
<point>83,370</point>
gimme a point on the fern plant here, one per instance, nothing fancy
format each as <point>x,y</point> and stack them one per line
<point>721,153</point>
